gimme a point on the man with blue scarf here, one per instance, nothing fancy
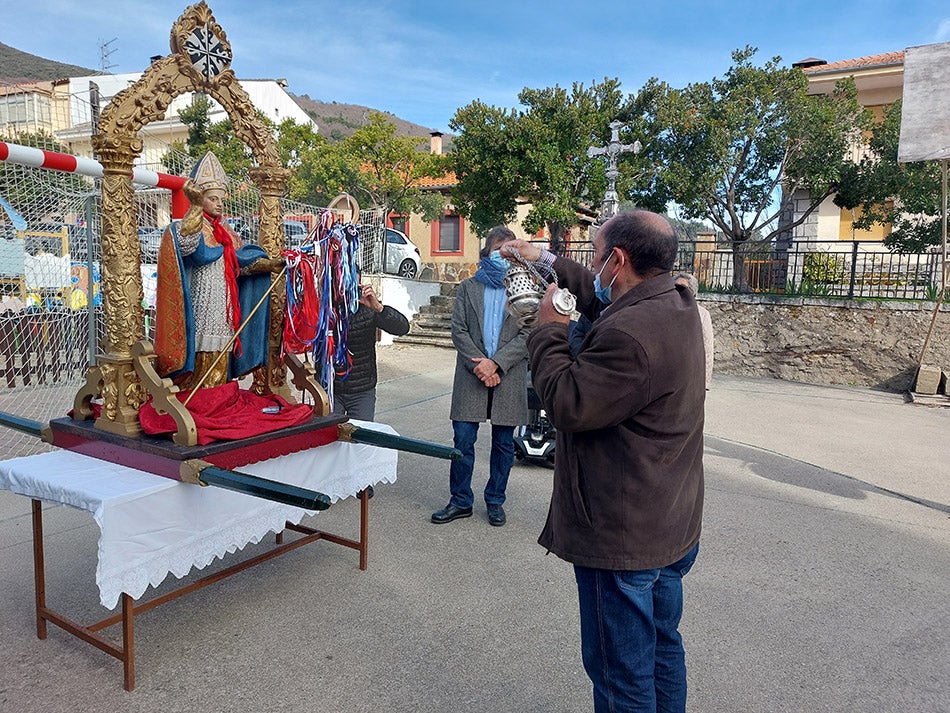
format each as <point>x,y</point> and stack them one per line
<point>490,382</point>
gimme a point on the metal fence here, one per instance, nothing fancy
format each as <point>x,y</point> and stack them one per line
<point>51,321</point>
<point>837,270</point>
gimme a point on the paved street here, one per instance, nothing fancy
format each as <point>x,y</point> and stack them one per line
<point>823,581</point>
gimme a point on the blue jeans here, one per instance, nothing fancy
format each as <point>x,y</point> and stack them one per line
<point>499,466</point>
<point>631,646</point>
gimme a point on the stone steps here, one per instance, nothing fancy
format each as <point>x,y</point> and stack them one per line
<point>433,321</point>
<point>433,324</point>
<point>428,339</point>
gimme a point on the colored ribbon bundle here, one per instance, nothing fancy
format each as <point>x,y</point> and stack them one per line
<point>322,293</point>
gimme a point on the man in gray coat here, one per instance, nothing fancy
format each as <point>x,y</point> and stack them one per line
<point>490,382</point>
<point>627,504</point>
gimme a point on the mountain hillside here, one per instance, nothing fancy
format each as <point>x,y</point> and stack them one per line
<point>337,121</point>
<point>17,66</point>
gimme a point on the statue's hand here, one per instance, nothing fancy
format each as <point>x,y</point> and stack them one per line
<point>264,264</point>
<point>275,264</point>
<point>192,221</point>
<point>192,192</point>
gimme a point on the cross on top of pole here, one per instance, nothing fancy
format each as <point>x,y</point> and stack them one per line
<point>611,204</point>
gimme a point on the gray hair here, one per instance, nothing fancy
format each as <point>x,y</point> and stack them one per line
<point>498,234</point>
<point>693,283</point>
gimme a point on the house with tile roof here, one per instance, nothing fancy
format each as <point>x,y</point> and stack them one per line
<point>879,80</point>
<point>448,247</point>
<point>269,96</point>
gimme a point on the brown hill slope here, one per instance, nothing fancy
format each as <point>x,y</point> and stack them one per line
<point>337,121</point>
<point>17,66</point>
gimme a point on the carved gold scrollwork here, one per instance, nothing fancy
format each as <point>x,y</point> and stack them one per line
<point>163,393</point>
<point>135,394</point>
<point>199,61</point>
<point>110,391</point>
<point>305,379</point>
<point>82,403</point>
<point>196,32</point>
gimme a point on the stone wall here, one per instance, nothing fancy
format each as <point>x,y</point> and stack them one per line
<point>447,271</point>
<point>860,343</point>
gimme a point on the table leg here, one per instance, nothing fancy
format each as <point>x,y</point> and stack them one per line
<point>364,528</point>
<point>128,640</point>
<point>39,569</point>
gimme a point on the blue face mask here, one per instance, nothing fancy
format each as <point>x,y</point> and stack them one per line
<point>497,259</point>
<point>603,293</point>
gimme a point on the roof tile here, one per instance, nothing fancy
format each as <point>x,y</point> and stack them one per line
<point>873,60</point>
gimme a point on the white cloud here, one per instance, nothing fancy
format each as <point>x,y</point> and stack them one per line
<point>943,31</point>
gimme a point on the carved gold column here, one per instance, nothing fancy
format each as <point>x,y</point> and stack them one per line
<point>122,392</point>
<point>272,181</point>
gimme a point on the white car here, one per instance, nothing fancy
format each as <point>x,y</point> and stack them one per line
<point>402,257</point>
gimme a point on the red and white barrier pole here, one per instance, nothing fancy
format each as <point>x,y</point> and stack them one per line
<point>67,163</point>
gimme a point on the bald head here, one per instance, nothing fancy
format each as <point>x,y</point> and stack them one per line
<point>647,238</point>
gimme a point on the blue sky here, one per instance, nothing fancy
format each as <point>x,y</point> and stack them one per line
<point>423,60</point>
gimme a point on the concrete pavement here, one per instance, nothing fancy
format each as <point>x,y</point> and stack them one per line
<point>822,581</point>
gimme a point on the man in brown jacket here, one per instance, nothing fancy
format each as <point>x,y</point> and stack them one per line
<point>627,504</point>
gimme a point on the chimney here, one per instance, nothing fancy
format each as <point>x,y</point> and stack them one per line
<point>809,62</point>
<point>435,142</point>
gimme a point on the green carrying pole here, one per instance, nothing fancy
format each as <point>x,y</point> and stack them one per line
<point>25,425</point>
<point>349,432</point>
<point>263,488</point>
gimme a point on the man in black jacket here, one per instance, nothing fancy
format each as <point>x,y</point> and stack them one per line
<point>355,395</point>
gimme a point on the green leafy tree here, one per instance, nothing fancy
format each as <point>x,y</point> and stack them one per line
<point>905,196</point>
<point>487,163</point>
<point>381,169</point>
<point>297,144</point>
<point>196,118</point>
<point>738,149</point>
<point>503,157</point>
<point>205,135</point>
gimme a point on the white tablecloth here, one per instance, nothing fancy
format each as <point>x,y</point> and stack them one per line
<point>150,526</point>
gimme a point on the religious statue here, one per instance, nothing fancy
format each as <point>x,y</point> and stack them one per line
<point>208,284</point>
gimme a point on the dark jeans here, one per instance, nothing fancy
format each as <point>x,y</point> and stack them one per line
<point>499,466</point>
<point>630,642</point>
<point>360,405</point>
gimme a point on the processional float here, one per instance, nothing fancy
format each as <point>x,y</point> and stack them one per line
<point>104,421</point>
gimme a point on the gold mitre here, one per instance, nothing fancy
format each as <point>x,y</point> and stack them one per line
<point>208,174</point>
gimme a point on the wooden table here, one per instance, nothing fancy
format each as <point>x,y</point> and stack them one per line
<point>152,526</point>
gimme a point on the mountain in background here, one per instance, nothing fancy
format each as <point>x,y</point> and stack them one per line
<point>17,66</point>
<point>336,121</point>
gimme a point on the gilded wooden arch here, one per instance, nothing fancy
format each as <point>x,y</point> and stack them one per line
<point>199,61</point>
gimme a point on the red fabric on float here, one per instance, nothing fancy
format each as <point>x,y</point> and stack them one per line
<point>226,413</point>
